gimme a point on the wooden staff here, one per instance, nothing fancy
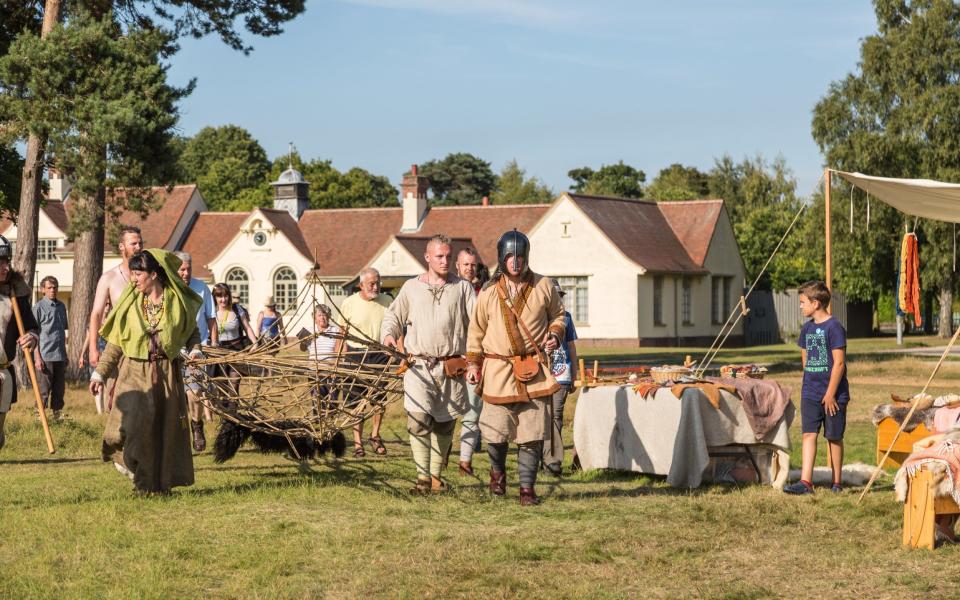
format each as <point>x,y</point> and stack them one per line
<point>28,357</point>
<point>826,227</point>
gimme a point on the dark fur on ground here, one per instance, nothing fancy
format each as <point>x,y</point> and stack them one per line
<point>233,435</point>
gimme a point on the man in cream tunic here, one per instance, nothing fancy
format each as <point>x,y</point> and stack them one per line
<point>514,410</point>
<point>431,313</point>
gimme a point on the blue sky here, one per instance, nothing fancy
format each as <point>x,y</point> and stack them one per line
<point>556,84</point>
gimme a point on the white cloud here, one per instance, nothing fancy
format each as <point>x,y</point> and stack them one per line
<point>531,13</point>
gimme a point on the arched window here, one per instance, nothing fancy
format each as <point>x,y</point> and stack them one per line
<point>284,288</point>
<point>239,284</point>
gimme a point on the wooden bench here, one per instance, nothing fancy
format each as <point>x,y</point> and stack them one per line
<point>921,510</point>
<point>904,446</point>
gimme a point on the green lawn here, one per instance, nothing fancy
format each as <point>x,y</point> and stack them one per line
<point>256,528</point>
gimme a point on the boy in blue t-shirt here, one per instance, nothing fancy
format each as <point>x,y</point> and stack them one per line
<point>825,392</point>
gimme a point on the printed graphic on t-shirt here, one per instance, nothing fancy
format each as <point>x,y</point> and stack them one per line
<point>558,360</point>
<point>817,354</point>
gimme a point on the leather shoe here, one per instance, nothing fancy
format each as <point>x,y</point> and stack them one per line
<point>528,497</point>
<point>498,483</point>
<point>466,469</point>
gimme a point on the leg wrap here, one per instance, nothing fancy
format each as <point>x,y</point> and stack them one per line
<point>439,446</point>
<point>420,448</point>
<point>528,460</point>
<point>498,456</point>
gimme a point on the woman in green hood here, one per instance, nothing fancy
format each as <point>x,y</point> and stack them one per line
<point>148,432</point>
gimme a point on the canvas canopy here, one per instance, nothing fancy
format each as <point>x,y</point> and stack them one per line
<point>923,198</point>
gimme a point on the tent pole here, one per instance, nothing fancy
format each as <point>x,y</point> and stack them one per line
<point>826,226</point>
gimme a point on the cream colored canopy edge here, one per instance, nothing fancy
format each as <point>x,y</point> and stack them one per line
<point>923,198</point>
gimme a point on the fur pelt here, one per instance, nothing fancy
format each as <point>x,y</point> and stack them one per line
<point>233,435</point>
<point>898,412</point>
<point>942,486</point>
<point>855,474</point>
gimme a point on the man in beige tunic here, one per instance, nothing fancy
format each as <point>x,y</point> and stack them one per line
<point>432,313</point>
<point>515,409</point>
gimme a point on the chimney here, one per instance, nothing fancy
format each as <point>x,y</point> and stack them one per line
<point>413,197</point>
<point>60,186</point>
<point>486,201</point>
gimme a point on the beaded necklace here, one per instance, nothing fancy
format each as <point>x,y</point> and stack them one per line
<point>152,312</point>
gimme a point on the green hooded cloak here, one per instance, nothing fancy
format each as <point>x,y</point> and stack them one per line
<point>127,328</point>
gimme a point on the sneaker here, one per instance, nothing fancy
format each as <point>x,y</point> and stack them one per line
<point>57,416</point>
<point>836,488</point>
<point>798,488</point>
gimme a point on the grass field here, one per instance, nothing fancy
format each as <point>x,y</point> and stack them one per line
<point>256,528</point>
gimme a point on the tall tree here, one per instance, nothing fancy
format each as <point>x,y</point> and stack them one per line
<point>459,178</point>
<point>619,180</point>
<point>897,115</point>
<point>678,182</point>
<point>106,127</point>
<point>514,187</point>
<point>224,161</point>
<point>761,201</point>
<point>11,164</point>
<point>24,18</point>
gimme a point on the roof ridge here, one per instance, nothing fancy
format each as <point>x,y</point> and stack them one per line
<point>697,201</point>
<point>318,210</point>
<point>489,206</point>
<point>616,198</point>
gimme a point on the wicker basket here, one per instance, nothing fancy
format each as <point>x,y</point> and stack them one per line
<point>667,373</point>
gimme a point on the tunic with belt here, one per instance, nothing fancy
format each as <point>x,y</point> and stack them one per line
<point>10,334</point>
<point>493,337</point>
<point>433,321</point>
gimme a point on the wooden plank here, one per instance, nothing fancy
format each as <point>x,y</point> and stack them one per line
<point>886,431</point>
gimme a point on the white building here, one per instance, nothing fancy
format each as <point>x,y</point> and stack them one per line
<point>635,272</point>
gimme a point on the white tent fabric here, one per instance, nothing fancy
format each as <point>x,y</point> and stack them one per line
<point>923,198</point>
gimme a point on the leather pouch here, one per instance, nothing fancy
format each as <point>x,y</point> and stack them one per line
<point>525,368</point>
<point>455,367</point>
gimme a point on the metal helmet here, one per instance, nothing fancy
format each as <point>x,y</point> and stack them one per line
<point>6,250</point>
<point>516,244</point>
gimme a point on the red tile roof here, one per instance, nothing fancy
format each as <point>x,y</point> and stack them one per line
<point>210,233</point>
<point>483,224</point>
<point>693,222</point>
<point>347,238</point>
<point>285,223</point>
<point>158,226</point>
<point>640,230</point>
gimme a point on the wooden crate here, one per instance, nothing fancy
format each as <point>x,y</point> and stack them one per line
<point>904,446</point>
<point>921,509</point>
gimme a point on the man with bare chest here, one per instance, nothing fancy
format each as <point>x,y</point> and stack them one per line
<point>111,285</point>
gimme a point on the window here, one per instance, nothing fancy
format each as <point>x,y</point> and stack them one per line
<point>686,302</point>
<point>239,285</point>
<point>284,288</point>
<point>720,298</point>
<point>575,298</point>
<point>565,229</point>
<point>46,250</point>
<point>658,300</point>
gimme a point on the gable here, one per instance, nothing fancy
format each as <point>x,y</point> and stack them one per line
<point>640,230</point>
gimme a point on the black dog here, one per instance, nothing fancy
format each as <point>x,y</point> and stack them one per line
<point>233,435</point>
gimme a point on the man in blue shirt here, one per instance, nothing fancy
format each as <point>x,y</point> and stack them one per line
<point>207,327</point>
<point>563,361</point>
<point>51,355</point>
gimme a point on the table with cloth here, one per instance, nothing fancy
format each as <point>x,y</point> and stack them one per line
<point>616,428</point>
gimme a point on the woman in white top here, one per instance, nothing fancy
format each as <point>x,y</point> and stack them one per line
<point>323,347</point>
<point>233,328</point>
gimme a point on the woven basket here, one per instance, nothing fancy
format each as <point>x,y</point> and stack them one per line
<point>731,371</point>
<point>666,373</point>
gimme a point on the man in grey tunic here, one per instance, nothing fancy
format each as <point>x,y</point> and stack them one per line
<point>432,312</point>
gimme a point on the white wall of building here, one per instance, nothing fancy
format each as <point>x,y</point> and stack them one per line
<point>567,243</point>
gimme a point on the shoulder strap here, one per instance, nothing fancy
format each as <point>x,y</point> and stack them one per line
<point>516,317</point>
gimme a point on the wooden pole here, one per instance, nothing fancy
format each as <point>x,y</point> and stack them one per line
<point>28,357</point>
<point>826,227</point>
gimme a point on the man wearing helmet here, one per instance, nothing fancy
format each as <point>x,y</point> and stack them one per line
<point>12,289</point>
<point>519,320</point>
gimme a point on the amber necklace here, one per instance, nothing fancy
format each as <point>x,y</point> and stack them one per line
<point>152,312</point>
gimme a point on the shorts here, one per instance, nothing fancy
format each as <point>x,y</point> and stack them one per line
<point>813,415</point>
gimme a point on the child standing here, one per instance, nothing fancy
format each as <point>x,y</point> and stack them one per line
<point>825,393</point>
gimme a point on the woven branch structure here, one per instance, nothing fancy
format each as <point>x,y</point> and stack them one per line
<point>276,388</point>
